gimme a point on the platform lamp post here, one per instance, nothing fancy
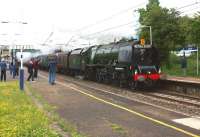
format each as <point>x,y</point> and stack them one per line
<point>1,54</point>
<point>3,22</point>
<point>197,60</point>
<point>21,74</point>
<point>2,46</point>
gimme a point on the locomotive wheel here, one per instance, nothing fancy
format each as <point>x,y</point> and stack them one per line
<point>90,74</point>
<point>86,75</point>
<point>101,76</point>
<point>121,83</point>
<point>122,80</point>
<point>98,79</point>
<point>107,79</point>
<point>133,85</point>
<point>149,83</point>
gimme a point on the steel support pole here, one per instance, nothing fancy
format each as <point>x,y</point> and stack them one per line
<point>21,74</point>
<point>14,62</point>
<point>151,39</point>
<point>21,79</point>
<point>150,33</point>
<point>197,60</point>
<point>1,55</point>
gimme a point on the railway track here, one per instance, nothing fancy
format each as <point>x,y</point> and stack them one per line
<point>179,98</point>
<point>181,95</point>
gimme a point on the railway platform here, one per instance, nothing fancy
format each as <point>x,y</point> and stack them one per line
<point>185,85</point>
<point>183,79</point>
<point>108,115</point>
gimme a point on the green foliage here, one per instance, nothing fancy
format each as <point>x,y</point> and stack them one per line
<point>169,29</point>
<point>185,31</point>
<point>176,69</point>
<point>195,31</point>
<point>165,26</point>
<point>19,117</point>
<point>117,128</point>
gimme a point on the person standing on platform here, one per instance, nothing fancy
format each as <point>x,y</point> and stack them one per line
<point>35,67</point>
<point>11,68</point>
<point>30,70</point>
<point>17,67</point>
<point>14,70</point>
<point>52,70</point>
<point>3,70</point>
<point>184,64</point>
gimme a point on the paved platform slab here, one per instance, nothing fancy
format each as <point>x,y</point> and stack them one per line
<point>193,122</point>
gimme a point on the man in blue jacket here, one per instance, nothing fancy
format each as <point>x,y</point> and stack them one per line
<point>3,70</point>
<point>52,70</point>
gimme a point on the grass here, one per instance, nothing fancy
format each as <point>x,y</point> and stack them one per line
<point>63,124</point>
<point>176,70</point>
<point>117,128</point>
<point>19,117</point>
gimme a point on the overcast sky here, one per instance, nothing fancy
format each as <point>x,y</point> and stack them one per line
<point>64,17</point>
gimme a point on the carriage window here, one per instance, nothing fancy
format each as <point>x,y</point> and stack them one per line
<point>76,51</point>
<point>100,50</point>
<point>125,54</point>
<point>107,50</point>
<point>93,52</point>
<point>115,49</point>
<point>85,49</point>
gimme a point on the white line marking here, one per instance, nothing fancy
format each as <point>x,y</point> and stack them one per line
<point>193,122</point>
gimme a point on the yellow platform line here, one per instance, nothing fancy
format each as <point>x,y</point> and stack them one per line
<point>129,110</point>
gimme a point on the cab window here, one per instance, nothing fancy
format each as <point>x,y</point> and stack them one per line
<point>125,54</point>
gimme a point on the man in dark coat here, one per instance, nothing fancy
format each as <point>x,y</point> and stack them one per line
<point>3,70</point>
<point>17,67</point>
<point>11,68</point>
<point>35,67</point>
<point>30,70</point>
<point>184,63</point>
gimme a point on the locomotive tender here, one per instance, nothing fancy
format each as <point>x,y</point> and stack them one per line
<point>125,63</point>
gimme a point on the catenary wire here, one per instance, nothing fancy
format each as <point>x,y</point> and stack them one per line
<point>107,29</point>
<point>109,18</point>
<point>189,5</point>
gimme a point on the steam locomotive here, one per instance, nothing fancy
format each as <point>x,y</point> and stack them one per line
<point>124,63</point>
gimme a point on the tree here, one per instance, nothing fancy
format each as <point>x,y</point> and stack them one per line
<point>195,30</point>
<point>185,35</point>
<point>165,27</point>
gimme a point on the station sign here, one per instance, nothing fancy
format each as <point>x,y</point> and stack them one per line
<point>142,41</point>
